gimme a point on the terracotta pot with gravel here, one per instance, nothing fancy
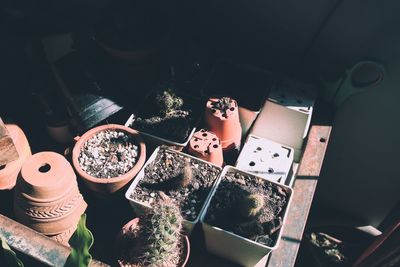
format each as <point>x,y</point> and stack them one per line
<point>9,172</point>
<point>108,157</point>
<point>47,197</point>
<point>222,118</point>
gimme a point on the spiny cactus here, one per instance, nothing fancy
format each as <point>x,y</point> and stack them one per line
<point>183,179</point>
<point>167,101</point>
<point>162,227</point>
<point>251,205</point>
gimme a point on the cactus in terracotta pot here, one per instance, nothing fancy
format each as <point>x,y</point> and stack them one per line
<point>222,118</point>
<point>163,228</point>
<point>155,239</point>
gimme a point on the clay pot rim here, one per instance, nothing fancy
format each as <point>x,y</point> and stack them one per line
<point>16,133</point>
<point>129,175</point>
<point>46,192</point>
<point>136,220</point>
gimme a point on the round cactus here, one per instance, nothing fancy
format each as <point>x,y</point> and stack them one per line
<point>251,205</point>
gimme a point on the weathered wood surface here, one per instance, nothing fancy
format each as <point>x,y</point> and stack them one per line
<point>8,152</point>
<point>304,189</point>
<point>37,246</point>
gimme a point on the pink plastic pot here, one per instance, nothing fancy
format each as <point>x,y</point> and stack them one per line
<point>207,146</point>
<point>225,125</point>
<point>9,172</point>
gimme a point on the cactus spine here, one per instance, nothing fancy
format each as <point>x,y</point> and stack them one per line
<point>163,227</point>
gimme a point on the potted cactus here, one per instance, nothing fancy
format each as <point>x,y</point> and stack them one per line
<point>243,218</point>
<point>222,118</point>
<point>154,239</point>
<point>185,179</point>
<point>166,116</point>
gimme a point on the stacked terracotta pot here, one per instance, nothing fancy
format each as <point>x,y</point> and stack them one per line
<point>225,125</point>
<point>47,197</point>
<point>207,146</point>
<point>9,172</point>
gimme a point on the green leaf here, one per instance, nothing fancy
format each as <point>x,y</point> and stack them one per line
<point>80,242</point>
<point>9,255</point>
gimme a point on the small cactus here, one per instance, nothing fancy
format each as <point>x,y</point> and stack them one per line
<point>223,104</point>
<point>162,227</point>
<point>168,102</point>
<point>250,206</point>
<point>183,179</point>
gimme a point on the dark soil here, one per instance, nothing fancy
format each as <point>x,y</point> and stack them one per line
<point>224,213</point>
<point>133,27</point>
<point>161,116</point>
<point>163,176</point>
<point>108,154</point>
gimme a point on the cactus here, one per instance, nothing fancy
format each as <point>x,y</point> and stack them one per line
<point>168,102</point>
<point>162,227</point>
<point>183,179</point>
<point>186,175</point>
<point>250,206</point>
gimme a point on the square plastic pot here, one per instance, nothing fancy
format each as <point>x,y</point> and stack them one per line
<point>266,158</point>
<point>197,111</point>
<point>231,246</point>
<point>286,115</point>
<point>140,207</point>
<point>158,141</point>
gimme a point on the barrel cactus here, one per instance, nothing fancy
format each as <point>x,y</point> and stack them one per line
<point>251,205</point>
<point>162,227</point>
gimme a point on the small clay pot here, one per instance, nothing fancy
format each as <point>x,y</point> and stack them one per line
<point>108,185</point>
<point>132,224</point>
<point>9,172</point>
<point>225,125</point>
<point>47,197</point>
<point>207,146</point>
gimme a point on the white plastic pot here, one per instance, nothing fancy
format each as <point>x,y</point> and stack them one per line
<point>267,159</point>
<point>286,115</point>
<point>156,140</point>
<point>231,246</point>
<point>140,207</point>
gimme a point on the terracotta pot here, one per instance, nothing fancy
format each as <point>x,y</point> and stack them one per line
<point>207,146</point>
<point>9,172</point>
<point>108,185</point>
<point>47,197</point>
<point>225,126</point>
<point>132,224</point>
<point>64,237</point>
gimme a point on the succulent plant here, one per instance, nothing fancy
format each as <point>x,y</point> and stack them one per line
<point>251,205</point>
<point>162,227</point>
<point>168,101</point>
